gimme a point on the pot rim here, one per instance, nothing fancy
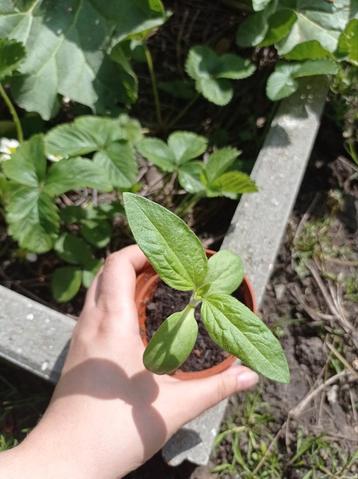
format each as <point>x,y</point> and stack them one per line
<point>146,284</point>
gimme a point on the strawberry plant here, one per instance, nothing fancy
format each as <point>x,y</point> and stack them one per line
<point>86,231</point>
<point>214,177</point>
<point>213,73</point>
<point>108,140</point>
<point>31,188</point>
<point>180,260</point>
<point>31,183</point>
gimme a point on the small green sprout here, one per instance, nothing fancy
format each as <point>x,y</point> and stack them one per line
<point>178,256</point>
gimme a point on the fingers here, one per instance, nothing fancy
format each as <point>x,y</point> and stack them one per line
<point>113,290</point>
<point>205,393</point>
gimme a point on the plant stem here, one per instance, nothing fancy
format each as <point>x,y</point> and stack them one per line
<point>15,117</point>
<point>183,112</point>
<point>149,59</point>
<point>187,203</point>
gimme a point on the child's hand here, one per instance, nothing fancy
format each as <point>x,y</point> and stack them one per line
<point>109,414</point>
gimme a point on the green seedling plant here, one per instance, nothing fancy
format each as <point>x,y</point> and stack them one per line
<point>179,258</point>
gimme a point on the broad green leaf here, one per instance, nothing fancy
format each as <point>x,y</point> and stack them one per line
<point>27,165</point>
<point>127,77</point>
<point>254,28</point>
<point>219,162</point>
<point>282,82</point>
<point>134,16</point>
<point>231,184</point>
<point>33,218</point>
<point>233,67</point>
<point>172,343</point>
<point>186,145</point>
<point>88,134</point>
<point>311,50</point>
<point>260,4</point>
<point>131,128</point>
<point>67,44</point>
<point>201,62</point>
<point>316,67</point>
<point>190,177</point>
<point>157,152</point>
<point>218,91</point>
<point>317,20</point>
<point>172,248</point>
<point>74,174</point>
<point>72,214</point>
<point>182,147</point>
<point>73,249</point>
<point>239,331</point>
<point>212,72</point>
<point>118,163</point>
<point>114,162</point>
<point>66,283</point>
<point>348,43</point>
<point>225,273</point>
<point>108,210</point>
<point>97,233</point>
<point>12,54</point>
<point>280,24</point>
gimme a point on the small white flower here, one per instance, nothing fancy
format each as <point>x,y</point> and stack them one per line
<point>54,157</point>
<point>31,257</point>
<point>7,148</point>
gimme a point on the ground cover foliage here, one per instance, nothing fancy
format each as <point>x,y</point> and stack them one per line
<point>62,63</point>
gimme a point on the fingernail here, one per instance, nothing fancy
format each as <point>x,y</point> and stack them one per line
<point>247,379</point>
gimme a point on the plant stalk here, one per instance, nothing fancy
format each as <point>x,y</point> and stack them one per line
<point>187,203</point>
<point>15,117</point>
<point>153,78</point>
<point>183,112</point>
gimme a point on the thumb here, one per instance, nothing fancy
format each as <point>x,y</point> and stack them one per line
<point>205,393</point>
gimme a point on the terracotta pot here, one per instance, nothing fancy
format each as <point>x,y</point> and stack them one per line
<point>146,285</point>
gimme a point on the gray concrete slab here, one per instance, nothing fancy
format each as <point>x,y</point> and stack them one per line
<point>33,336</point>
<point>257,229</point>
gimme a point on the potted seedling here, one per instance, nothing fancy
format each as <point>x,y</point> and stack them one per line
<point>178,257</point>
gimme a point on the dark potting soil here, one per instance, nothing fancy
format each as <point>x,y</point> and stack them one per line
<point>167,301</point>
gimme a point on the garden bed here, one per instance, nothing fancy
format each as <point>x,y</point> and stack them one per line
<point>88,223</point>
<point>243,124</point>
